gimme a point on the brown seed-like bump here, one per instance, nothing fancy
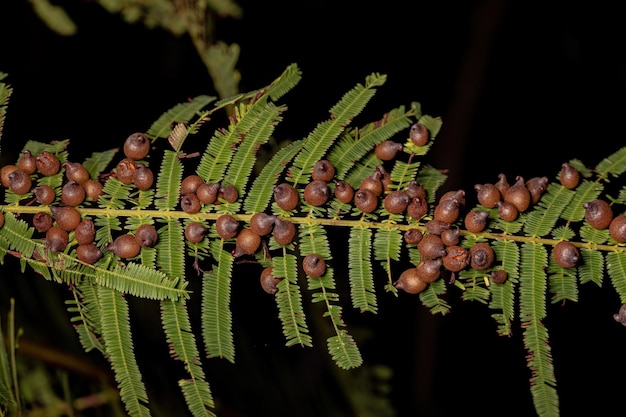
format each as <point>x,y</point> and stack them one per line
<point>136,146</point>
<point>447,211</point>
<point>125,246</point>
<point>247,243</point>
<point>226,226</point>
<point>73,194</point>
<point>143,178</point>
<point>190,203</point>
<point>286,196</point>
<point>415,189</point>
<point>365,200</point>
<point>476,220</point>
<point>419,134</point>
<point>1,219</point>
<point>75,171</point>
<point>455,195</point>
<point>27,162</point>
<point>195,232</point>
<point>93,189</point>
<point>207,193</point>
<point>620,317</point>
<point>428,270</point>
<point>456,258</point>
<point>410,282</point>
<point>4,174</point>
<point>565,254</point>
<point>56,239</point>
<point>88,253</point>
<point>507,211</point>
<point>48,164</point>
<point>229,193</point>
<point>20,182</point>
<point>598,213</point>
<point>85,232</point>
<point>396,202</point>
<point>262,223</point>
<point>323,170</point>
<point>269,282</point>
<point>44,194</point>
<point>518,195</point>
<point>373,184</point>
<point>316,193</point>
<point>450,237</point>
<point>502,184</point>
<point>385,178</point>
<point>537,186</point>
<point>481,256</point>
<point>413,236</point>
<point>147,235</point>
<point>488,194</point>
<point>387,150</point>
<point>417,208</point>
<point>190,184</point>
<point>314,265</point>
<point>431,247</point>
<point>436,227</point>
<point>344,191</point>
<point>617,228</point>
<point>67,217</point>
<point>499,276</point>
<point>569,177</point>
<point>284,231</point>
<point>42,221</point>
<point>125,170</point>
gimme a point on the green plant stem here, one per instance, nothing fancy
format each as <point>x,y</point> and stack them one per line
<point>305,219</point>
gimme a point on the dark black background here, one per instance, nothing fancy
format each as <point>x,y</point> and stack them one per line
<point>521,87</point>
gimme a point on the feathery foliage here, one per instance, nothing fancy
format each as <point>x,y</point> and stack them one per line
<point>377,251</point>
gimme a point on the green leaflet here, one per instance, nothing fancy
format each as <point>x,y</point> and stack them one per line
<point>18,235</point>
<point>216,314</point>
<point>180,113</point>
<point>180,338</point>
<point>616,265</point>
<point>260,193</point>
<point>98,162</point>
<point>354,145</point>
<point>536,339</point>
<point>289,301</point>
<point>118,343</point>
<point>321,138</point>
<point>168,182</point>
<point>361,276</point>
<point>258,134</point>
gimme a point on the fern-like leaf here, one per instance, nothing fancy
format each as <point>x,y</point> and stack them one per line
<point>98,161</point>
<point>616,267</point>
<point>285,82</point>
<point>141,281</point>
<point>532,312</point>
<point>118,343</point>
<point>353,146</point>
<point>18,234</point>
<point>87,315</point>
<point>179,335</point>
<point>289,300</point>
<point>168,181</point>
<point>260,192</point>
<point>321,138</point>
<point>216,314</point>
<point>258,134</point>
<point>360,270</point>
<point>181,113</point>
